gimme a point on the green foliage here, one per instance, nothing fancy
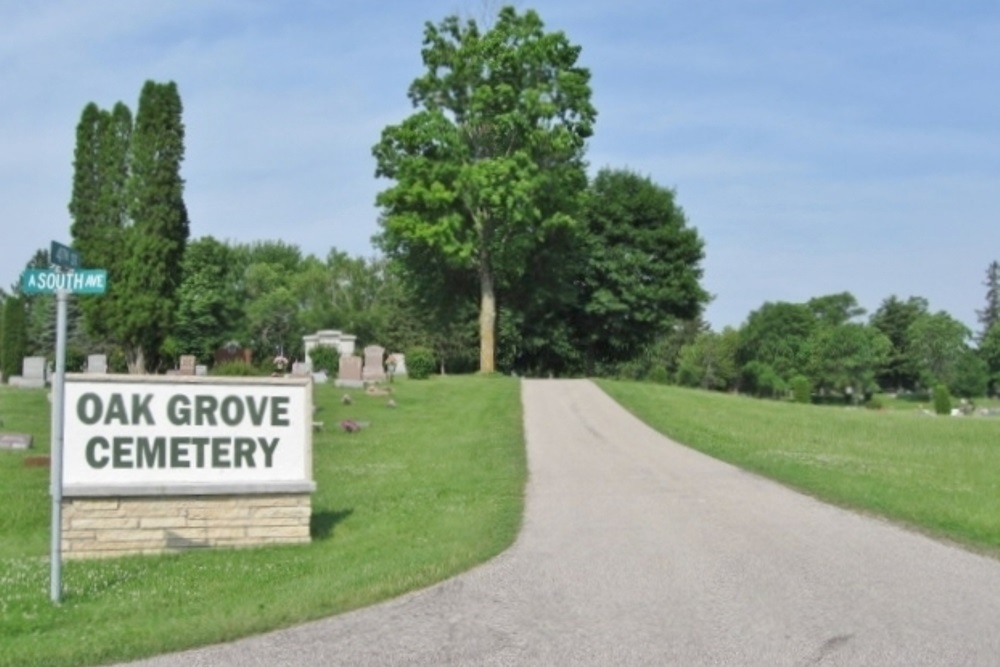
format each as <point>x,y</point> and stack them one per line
<point>971,379</point>
<point>129,217</point>
<point>801,389</point>
<point>325,357</point>
<point>777,336</point>
<point>642,266</point>
<point>942,399</point>
<point>875,403</point>
<point>659,375</point>
<point>209,312</point>
<point>761,379</point>
<point>15,341</point>
<point>709,361</point>
<point>937,343</point>
<point>990,314</point>
<point>420,363</point>
<point>835,309</point>
<point>900,371</point>
<point>237,368</point>
<point>989,350</point>
<point>847,356</point>
<point>493,157</point>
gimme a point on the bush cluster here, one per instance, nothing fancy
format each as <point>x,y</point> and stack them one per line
<point>942,400</point>
<point>419,363</point>
<point>325,358</point>
<point>231,368</point>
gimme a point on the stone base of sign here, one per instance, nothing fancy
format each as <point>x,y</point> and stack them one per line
<point>110,527</point>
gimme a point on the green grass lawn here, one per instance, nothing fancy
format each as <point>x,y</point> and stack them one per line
<point>938,474</point>
<point>427,490</point>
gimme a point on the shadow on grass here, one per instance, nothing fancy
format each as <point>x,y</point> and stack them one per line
<point>321,523</point>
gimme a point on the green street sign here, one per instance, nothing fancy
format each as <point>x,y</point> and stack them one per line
<point>49,281</point>
<point>64,256</point>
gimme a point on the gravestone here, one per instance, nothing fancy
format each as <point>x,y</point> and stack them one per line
<point>320,377</point>
<point>97,363</point>
<point>33,374</point>
<point>201,370</point>
<point>374,370</point>
<point>300,368</point>
<point>15,441</point>
<point>398,362</point>
<point>350,372</point>
<point>188,364</point>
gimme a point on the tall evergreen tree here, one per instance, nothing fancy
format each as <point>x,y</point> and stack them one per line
<point>990,315</point>
<point>98,205</point>
<point>15,338</point>
<point>129,217</point>
<point>159,228</point>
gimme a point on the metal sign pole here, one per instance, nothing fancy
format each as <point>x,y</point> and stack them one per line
<point>58,394</point>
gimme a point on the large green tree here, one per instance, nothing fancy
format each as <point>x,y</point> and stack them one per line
<point>208,303</point>
<point>845,357</point>
<point>893,318</point>
<point>775,338</point>
<point>642,266</point>
<point>938,342</point>
<point>492,159</point>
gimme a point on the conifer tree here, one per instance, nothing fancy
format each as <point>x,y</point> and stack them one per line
<point>129,218</point>
<point>990,315</point>
<point>157,235</point>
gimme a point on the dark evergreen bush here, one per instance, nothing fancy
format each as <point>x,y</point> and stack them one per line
<point>420,363</point>
<point>801,389</point>
<point>942,400</point>
<point>325,358</point>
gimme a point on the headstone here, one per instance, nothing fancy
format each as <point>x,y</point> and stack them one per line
<point>15,441</point>
<point>398,362</point>
<point>97,363</point>
<point>33,374</point>
<point>374,370</point>
<point>188,363</point>
<point>320,377</point>
<point>201,370</point>
<point>300,368</point>
<point>350,371</point>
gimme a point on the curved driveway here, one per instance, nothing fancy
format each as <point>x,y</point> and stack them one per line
<point>638,551</point>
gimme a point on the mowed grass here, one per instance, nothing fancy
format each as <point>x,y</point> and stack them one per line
<point>940,475</point>
<point>427,490</point>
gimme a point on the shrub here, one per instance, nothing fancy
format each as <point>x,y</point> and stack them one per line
<point>801,389</point>
<point>325,358</point>
<point>420,363</point>
<point>942,400</point>
<point>659,375</point>
<point>875,403</point>
<point>241,368</point>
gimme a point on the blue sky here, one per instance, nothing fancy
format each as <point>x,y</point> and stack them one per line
<point>818,147</point>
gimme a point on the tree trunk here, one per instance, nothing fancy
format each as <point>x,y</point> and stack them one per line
<point>487,318</point>
<point>135,360</point>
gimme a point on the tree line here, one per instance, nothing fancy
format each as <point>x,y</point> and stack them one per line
<point>498,253</point>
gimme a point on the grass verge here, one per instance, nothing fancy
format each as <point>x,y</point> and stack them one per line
<point>940,475</point>
<point>427,490</point>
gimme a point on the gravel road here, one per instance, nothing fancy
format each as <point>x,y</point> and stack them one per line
<point>638,551</point>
